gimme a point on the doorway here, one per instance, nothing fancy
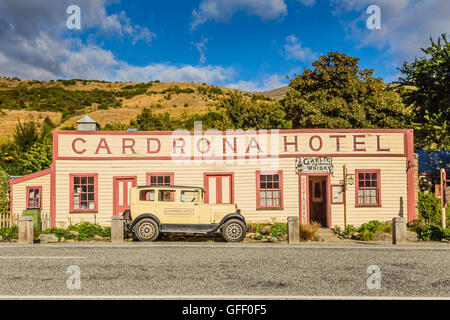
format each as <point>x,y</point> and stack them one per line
<point>219,188</point>
<point>121,186</point>
<point>318,199</point>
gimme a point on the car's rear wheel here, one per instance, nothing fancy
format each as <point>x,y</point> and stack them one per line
<point>234,230</point>
<point>146,230</point>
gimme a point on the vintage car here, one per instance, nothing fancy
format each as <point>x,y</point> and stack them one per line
<point>161,208</point>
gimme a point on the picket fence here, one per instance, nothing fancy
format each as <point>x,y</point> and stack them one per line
<point>9,220</point>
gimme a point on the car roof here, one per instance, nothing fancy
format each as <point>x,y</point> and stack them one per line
<point>164,186</point>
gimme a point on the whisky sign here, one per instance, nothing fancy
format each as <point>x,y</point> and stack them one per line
<point>314,165</point>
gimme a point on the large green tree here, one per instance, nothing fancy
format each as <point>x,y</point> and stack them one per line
<point>426,83</point>
<point>30,150</point>
<point>4,192</point>
<point>337,94</point>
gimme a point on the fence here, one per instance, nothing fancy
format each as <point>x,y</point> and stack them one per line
<point>8,220</point>
<point>45,220</point>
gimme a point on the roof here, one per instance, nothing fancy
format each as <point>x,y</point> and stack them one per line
<point>86,119</point>
<point>164,186</point>
<point>433,161</point>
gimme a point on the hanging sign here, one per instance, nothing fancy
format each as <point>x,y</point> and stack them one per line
<point>314,165</point>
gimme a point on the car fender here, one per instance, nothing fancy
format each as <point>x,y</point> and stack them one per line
<point>234,215</point>
<point>146,215</point>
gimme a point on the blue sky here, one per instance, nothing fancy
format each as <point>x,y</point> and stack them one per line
<point>246,44</point>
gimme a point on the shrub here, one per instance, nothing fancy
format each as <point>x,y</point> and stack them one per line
<point>9,233</point>
<point>278,229</point>
<point>309,231</point>
<point>432,232</point>
<point>86,230</point>
<point>367,235</point>
<point>349,229</point>
<point>429,208</point>
<point>372,226</point>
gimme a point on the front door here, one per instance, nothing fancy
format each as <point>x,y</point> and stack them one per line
<point>219,188</point>
<point>121,192</point>
<point>318,196</point>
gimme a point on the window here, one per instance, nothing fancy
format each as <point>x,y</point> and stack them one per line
<point>34,197</point>
<point>368,188</point>
<point>83,192</point>
<point>269,189</point>
<point>166,195</point>
<point>147,195</point>
<point>160,178</point>
<point>165,178</point>
<point>189,196</point>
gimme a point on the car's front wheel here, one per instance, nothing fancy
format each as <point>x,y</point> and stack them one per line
<point>234,230</point>
<point>146,230</point>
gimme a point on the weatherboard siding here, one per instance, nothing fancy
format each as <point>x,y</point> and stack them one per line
<point>392,170</point>
<point>19,191</point>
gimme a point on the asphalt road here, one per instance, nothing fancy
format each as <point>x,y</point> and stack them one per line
<point>171,270</point>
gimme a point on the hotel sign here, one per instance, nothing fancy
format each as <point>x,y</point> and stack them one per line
<point>315,147</point>
<point>314,165</point>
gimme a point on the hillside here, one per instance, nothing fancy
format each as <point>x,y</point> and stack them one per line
<point>64,101</point>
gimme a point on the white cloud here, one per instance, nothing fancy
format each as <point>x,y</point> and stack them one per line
<point>294,51</point>
<point>201,48</point>
<point>406,24</point>
<point>269,82</point>
<point>308,3</point>
<point>222,11</point>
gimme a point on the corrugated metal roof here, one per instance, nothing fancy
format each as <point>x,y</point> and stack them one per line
<point>433,161</point>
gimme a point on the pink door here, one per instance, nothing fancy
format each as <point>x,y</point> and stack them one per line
<point>219,188</point>
<point>121,191</point>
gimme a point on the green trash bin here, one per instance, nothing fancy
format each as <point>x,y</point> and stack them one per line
<point>36,214</point>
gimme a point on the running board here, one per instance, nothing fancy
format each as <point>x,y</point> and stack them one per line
<point>189,228</point>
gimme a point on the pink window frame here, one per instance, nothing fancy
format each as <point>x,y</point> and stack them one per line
<point>378,172</point>
<point>156,174</point>
<point>40,197</point>
<point>71,193</point>
<point>258,189</point>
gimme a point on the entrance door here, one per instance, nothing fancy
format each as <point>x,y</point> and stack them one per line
<point>121,191</point>
<point>318,199</point>
<point>219,188</point>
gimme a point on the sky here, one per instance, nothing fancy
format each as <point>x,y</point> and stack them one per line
<point>252,45</point>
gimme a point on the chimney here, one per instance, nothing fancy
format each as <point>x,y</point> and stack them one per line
<point>87,124</point>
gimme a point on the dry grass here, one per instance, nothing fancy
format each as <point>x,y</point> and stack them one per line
<point>9,119</point>
<point>309,231</point>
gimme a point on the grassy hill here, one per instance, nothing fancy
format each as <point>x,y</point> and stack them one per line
<point>65,101</point>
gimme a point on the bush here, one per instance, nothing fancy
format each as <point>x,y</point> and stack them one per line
<point>366,235</point>
<point>86,231</point>
<point>350,229</point>
<point>429,208</point>
<point>278,229</point>
<point>9,233</point>
<point>375,226</point>
<point>309,231</point>
<point>432,232</point>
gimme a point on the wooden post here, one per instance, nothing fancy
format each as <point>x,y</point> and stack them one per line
<point>443,199</point>
<point>345,196</point>
<point>117,231</point>
<point>26,230</point>
<point>293,230</point>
